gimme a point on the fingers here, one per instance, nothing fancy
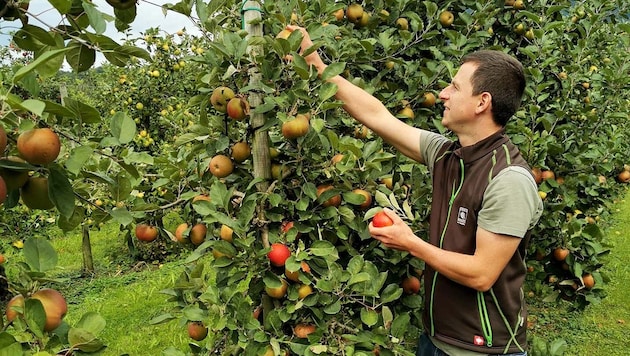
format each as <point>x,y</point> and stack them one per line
<point>392,215</point>
<point>306,39</point>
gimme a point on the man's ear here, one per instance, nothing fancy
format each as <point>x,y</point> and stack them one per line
<point>485,103</point>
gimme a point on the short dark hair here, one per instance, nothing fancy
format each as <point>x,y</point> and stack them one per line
<point>503,77</point>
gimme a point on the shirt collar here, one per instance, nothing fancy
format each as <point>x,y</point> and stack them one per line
<point>474,152</point>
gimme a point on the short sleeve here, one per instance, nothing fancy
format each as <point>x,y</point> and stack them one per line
<point>430,144</point>
<point>511,204</point>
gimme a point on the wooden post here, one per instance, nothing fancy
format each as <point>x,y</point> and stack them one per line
<point>63,93</point>
<point>88,261</point>
<point>261,159</point>
<point>252,14</point>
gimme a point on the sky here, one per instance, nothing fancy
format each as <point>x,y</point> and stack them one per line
<point>150,15</point>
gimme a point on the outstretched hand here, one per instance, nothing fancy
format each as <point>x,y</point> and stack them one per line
<point>313,58</point>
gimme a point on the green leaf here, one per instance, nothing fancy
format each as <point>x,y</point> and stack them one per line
<point>369,317</point>
<point>32,38</point>
<point>388,316</point>
<point>123,127</point>
<point>558,347</point>
<point>56,109</point>
<point>164,318</point>
<point>138,157</point>
<point>8,345</point>
<point>182,7</point>
<point>39,254</point>
<point>84,340</point>
<point>121,187</point>
<point>92,322</point>
<point>355,265</point>
<point>122,215</point>
<point>35,316</point>
<point>324,249</point>
<point>333,309</point>
<point>80,57</point>
<point>126,16</point>
<point>116,58</point>
<point>70,223</point>
<point>78,157</point>
<point>333,70</point>
<point>354,198</point>
<point>40,61</point>
<point>53,65</point>
<point>400,325</point>
<point>63,6</point>
<point>60,190</point>
<point>327,91</point>
<point>96,17</point>
<point>390,293</point>
<point>381,199</point>
<point>135,52</point>
<point>300,67</point>
<point>219,194</point>
<point>37,107</point>
<point>358,278</point>
<point>83,112</point>
<point>271,280</point>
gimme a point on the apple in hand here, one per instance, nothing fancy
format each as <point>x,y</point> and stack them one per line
<point>381,219</point>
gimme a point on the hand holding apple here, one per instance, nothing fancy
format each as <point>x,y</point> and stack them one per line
<point>392,231</point>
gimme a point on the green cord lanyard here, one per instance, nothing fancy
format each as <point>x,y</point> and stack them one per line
<point>486,326</point>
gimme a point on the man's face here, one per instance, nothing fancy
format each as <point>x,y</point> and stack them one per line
<point>459,102</point>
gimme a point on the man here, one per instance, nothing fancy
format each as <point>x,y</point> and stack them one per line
<point>485,203</point>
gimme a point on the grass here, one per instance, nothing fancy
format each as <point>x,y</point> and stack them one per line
<point>127,296</point>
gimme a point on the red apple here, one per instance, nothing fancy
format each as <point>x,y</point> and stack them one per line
<point>411,285</point>
<point>335,200</point>
<point>54,305</point>
<point>145,232</point>
<point>197,331</point>
<point>296,127</point>
<point>17,301</point>
<point>381,219</point>
<point>237,108</point>
<point>279,254</point>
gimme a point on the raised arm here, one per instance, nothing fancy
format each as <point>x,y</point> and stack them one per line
<point>366,109</point>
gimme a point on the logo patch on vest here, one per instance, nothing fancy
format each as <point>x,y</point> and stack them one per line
<point>462,215</point>
<point>478,340</point>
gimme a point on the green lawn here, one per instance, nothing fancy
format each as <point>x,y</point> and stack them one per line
<point>127,296</point>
